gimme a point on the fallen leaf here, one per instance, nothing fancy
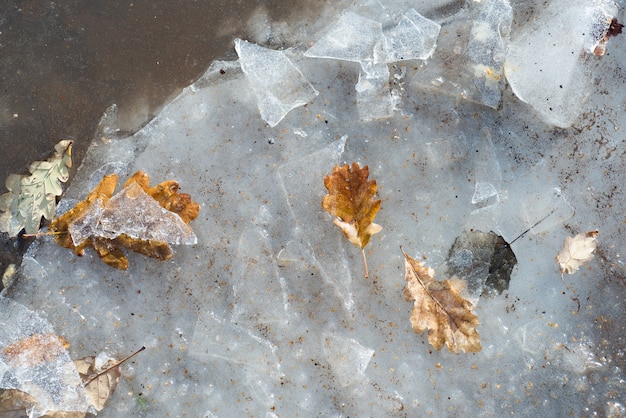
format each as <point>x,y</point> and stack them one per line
<point>100,382</point>
<point>100,388</point>
<point>351,199</point>
<point>31,197</point>
<point>576,251</point>
<point>440,308</point>
<point>131,219</point>
<point>166,193</point>
<point>34,349</point>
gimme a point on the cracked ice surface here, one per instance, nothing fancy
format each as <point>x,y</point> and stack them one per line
<point>269,312</point>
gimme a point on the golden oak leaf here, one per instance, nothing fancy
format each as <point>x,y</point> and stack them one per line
<point>351,199</point>
<point>131,219</point>
<point>440,308</point>
<point>576,251</point>
<point>166,193</point>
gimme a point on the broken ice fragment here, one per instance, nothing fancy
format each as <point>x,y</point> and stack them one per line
<point>603,25</point>
<point>353,38</point>
<point>33,360</point>
<point>87,225</point>
<point>414,37</point>
<point>487,172</point>
<point>136,214</point>
<point>486,49</point>
<point>545,64</point>
<point>278,85</point>
<point>256,286</point>
<point>373,95</point>
<point>348,359</point>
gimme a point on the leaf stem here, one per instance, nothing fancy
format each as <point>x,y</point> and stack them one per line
<point>367,274</point>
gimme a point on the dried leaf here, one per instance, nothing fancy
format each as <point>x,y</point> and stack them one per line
<point>166,193</point>
<point>130,219</point>
<point>351,199</point>
<point>35,349</point>
<point>440,308</point>
<point>31,197</point>
<point>100,382</point>
<point>101,387</point>
<point>576,251</point>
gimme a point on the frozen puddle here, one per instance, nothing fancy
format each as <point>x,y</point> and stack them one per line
<point>268,313</point>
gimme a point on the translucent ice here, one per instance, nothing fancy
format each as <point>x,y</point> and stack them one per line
<point>217,338</point>
<point>487,46</point>
<point>48,374</point>
<point>373,95</point>
<point>352,38</point>
<point>470,50</point>
<point>258,290</point>
<point>545,64</point>
<point>347,358</point>
<point>414,37</point>
<point>304,193</point>
<point>136,214</point>
<point>488,175</point>
<point>278,84</point>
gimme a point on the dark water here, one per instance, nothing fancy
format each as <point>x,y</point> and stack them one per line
<point>63,63</point>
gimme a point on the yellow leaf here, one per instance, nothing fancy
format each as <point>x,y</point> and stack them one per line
<point>440,309</point>
<point>351,199</point>
<point>576,251</point>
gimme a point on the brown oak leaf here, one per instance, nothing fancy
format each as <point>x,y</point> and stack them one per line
<point>351,199</point>
<point>440,308</point>
<point>576,251</point>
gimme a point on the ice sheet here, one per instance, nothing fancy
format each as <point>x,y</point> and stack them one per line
<point>236,325</point>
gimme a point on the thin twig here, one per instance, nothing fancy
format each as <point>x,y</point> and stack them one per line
<point>95,376</point>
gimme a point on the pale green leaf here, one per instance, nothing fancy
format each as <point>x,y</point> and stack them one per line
<point>31,197</point>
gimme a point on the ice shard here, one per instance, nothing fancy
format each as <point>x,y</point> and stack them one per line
<point>546,65</point>
<point>414,37</point>
<point>373,94</point>
<point>353,38</point>
<point>136,214</point>
<point>486,49</point>
<point>279,85</point>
